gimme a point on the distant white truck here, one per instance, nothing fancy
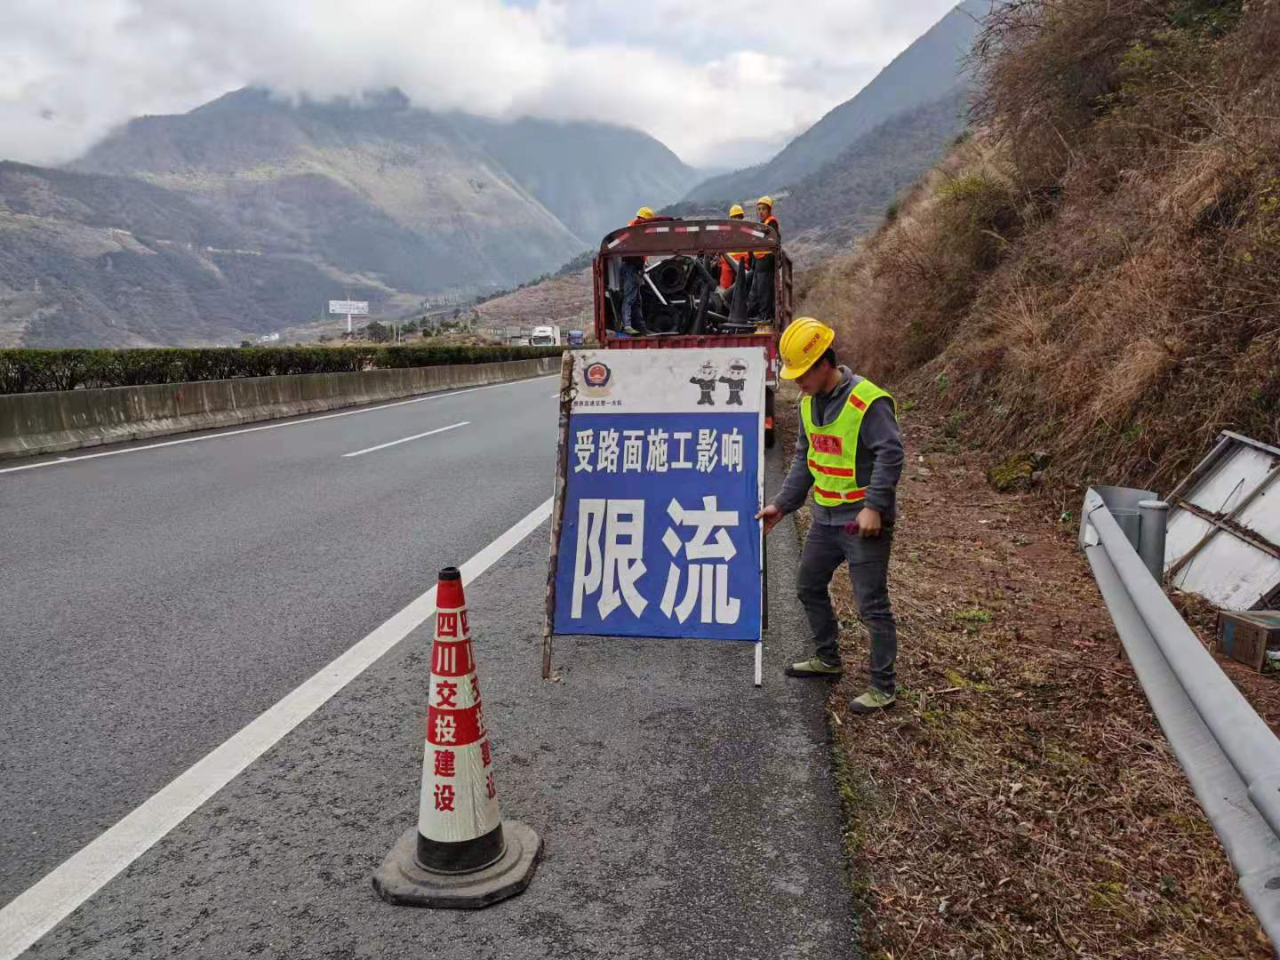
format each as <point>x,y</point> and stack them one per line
<point>545,337</point>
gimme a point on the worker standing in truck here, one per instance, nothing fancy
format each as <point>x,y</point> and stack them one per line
<point>849,452</point>
<point>633,283</point>
<point>727,272</point>
<point>761,305</point>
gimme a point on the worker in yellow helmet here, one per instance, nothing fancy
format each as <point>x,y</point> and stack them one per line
<point>727,272</point>
<point>849,453</point>
<point>760,306</point>
<point>764,213</point>
<point>633,284</point>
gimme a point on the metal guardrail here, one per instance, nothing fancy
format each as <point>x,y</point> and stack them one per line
<point>1229,755</point>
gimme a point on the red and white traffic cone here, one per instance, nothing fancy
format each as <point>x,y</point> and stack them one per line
<point>461,855</point>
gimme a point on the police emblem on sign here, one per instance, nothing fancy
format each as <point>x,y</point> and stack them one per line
<point>597,375</point>
<point>597,379</point>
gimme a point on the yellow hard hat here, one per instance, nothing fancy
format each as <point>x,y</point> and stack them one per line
<point>767,201</point>
<point>802,344</point>
<point>737,211</point>
<point>644,213</point>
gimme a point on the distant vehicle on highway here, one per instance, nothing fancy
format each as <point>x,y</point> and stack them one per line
<point>545,337</point>
<point>576,338</point>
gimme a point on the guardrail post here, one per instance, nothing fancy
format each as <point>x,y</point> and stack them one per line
<point>1151,536</point>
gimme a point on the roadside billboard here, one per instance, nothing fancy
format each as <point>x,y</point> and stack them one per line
<point>351,308</point>
<point>662,475</point>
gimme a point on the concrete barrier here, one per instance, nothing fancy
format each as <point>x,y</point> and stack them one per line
<point>38,423</point>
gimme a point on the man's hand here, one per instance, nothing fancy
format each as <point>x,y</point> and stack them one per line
<point>869,523</point>
<point>770,515</point>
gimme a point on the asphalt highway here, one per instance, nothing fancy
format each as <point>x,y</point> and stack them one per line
<point>156,601</point>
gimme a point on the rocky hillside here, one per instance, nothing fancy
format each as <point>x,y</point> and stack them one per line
<point>564,299</point>
<point>259,210</point>
<point>111,261</point>
<point>924,73</point>
<point>592,176</point>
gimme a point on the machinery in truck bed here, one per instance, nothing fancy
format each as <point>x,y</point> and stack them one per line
<point>683,303</point>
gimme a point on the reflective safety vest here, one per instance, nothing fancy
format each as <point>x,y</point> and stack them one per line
<point>833,449</point>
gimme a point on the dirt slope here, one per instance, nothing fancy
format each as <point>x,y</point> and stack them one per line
<point>1020,800</point>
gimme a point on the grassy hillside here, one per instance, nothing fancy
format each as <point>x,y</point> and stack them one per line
<point>846,199</point>
<point>1098,272</point>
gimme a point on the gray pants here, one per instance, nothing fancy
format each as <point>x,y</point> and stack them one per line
<point>825,549</point>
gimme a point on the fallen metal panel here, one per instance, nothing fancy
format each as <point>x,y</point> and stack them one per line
<point>1185,531</point>
<point>1229,573</point>
<point>1224,526</point>
<point>1239,472</point>
<point>1263,515</point>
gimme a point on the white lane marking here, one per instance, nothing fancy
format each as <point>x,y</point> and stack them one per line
<point>416,436</point>
<point>272,426</point>
<point>43,906</point>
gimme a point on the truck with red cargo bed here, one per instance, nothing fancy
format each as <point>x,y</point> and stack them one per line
<point>684,305</point>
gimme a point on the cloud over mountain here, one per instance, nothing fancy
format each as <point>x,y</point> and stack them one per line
<point>721,84</point>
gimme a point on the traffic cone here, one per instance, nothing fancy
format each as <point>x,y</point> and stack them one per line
<point>461,855</point>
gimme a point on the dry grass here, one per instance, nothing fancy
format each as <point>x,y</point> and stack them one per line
<point>1020,800</point>
<point>1097,272</point>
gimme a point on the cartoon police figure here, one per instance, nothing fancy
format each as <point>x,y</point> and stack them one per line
<point>736,381</point>
<point>706,383</point>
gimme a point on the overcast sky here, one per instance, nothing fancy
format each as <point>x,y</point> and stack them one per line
<point>722,83</point>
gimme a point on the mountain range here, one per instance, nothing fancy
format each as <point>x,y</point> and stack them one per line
<point>930,70</point>
<point>250,212</point>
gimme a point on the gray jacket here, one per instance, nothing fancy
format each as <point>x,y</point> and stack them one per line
<point>880,458</point>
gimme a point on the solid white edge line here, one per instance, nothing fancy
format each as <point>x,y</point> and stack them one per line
<point>416,436</point>
<point>438,395</point>
<point>41,907</point>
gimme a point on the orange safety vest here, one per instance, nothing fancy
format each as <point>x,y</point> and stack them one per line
<point>726,271</point>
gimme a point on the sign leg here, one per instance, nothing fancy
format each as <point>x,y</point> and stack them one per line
<point>557,513</point>
<point>759,645</point>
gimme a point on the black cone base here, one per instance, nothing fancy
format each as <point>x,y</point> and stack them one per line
<point>403,881</point>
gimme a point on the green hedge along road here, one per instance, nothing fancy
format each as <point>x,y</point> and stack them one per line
<point>34,371</point>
